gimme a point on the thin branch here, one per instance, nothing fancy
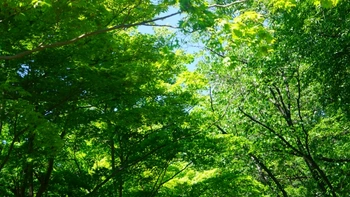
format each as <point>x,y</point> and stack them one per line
<point>211,99</point>
<point>226,5</point>
<point>183,169</point>
<point>276,102</point>
<point>243,61</point>
<point>221,129</point>
<point>226,108</point>
<point>222,115</point>
<point>213,110</point>
<point>15,138</point>
<point>346,160</point>
<point>216,53</point>
<point>285,111</point>
<point>287,90</point>
<point>159,25</point>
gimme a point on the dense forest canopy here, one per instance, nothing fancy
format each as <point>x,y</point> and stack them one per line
<point>91,106</point>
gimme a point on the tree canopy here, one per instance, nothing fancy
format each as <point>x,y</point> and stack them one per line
<point>92,106</point>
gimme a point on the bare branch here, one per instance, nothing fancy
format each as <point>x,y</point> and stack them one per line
<point>243,61</point>
<point>159,25</point>
<point>226,5</point>
<point>287,90</point>
<point>133,163</point>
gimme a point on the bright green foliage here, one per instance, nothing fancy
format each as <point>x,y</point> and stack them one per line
<point>89,106</point>
<point>101,116</point>
<point>292,102</point>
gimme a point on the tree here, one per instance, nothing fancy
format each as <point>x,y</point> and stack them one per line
<point>89,117</point>
<point>91,107</point>
<point>266,88</point>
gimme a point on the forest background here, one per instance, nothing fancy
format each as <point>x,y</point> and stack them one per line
<point>89,106</point>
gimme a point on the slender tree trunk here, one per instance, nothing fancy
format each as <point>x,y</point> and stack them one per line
<point>120,178</point>
<point>120,190</point>
<point>122,163</point>
<point>2,111</point>
<point>27,184</point>
<point>45,182</point>
<point>30,165</point>
<point>115,186</point>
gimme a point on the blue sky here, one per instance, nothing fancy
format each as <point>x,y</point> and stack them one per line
<point>173,21</point>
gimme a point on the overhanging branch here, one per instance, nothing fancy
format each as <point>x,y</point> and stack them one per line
<point>100,31</point>
<point>82,36</point>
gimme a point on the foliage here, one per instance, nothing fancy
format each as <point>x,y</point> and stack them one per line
<point>89,106</point>
<point>280,100</point>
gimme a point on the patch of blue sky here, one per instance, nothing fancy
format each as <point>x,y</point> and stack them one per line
<point>173,21</point>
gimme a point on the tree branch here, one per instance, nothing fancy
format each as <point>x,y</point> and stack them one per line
<point>159,25</point>
<point>100,31</point>
<point>269,172</point>
<point>272,131</point>
<point>15,138</point>
<point>226,5</point>
<point>221,129</point>
<point>299,113</point>
<point>345,160</point>
<point>183,169</point>
<point>155,186</point>
<point>314,166</point>
<point>82,36</point>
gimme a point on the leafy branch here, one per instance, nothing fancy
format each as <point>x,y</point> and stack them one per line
<point>82,36</point>
<point>100,31</point>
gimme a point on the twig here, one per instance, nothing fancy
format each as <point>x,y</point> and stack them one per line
<point>226,5</point>
<point>158,25</point>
